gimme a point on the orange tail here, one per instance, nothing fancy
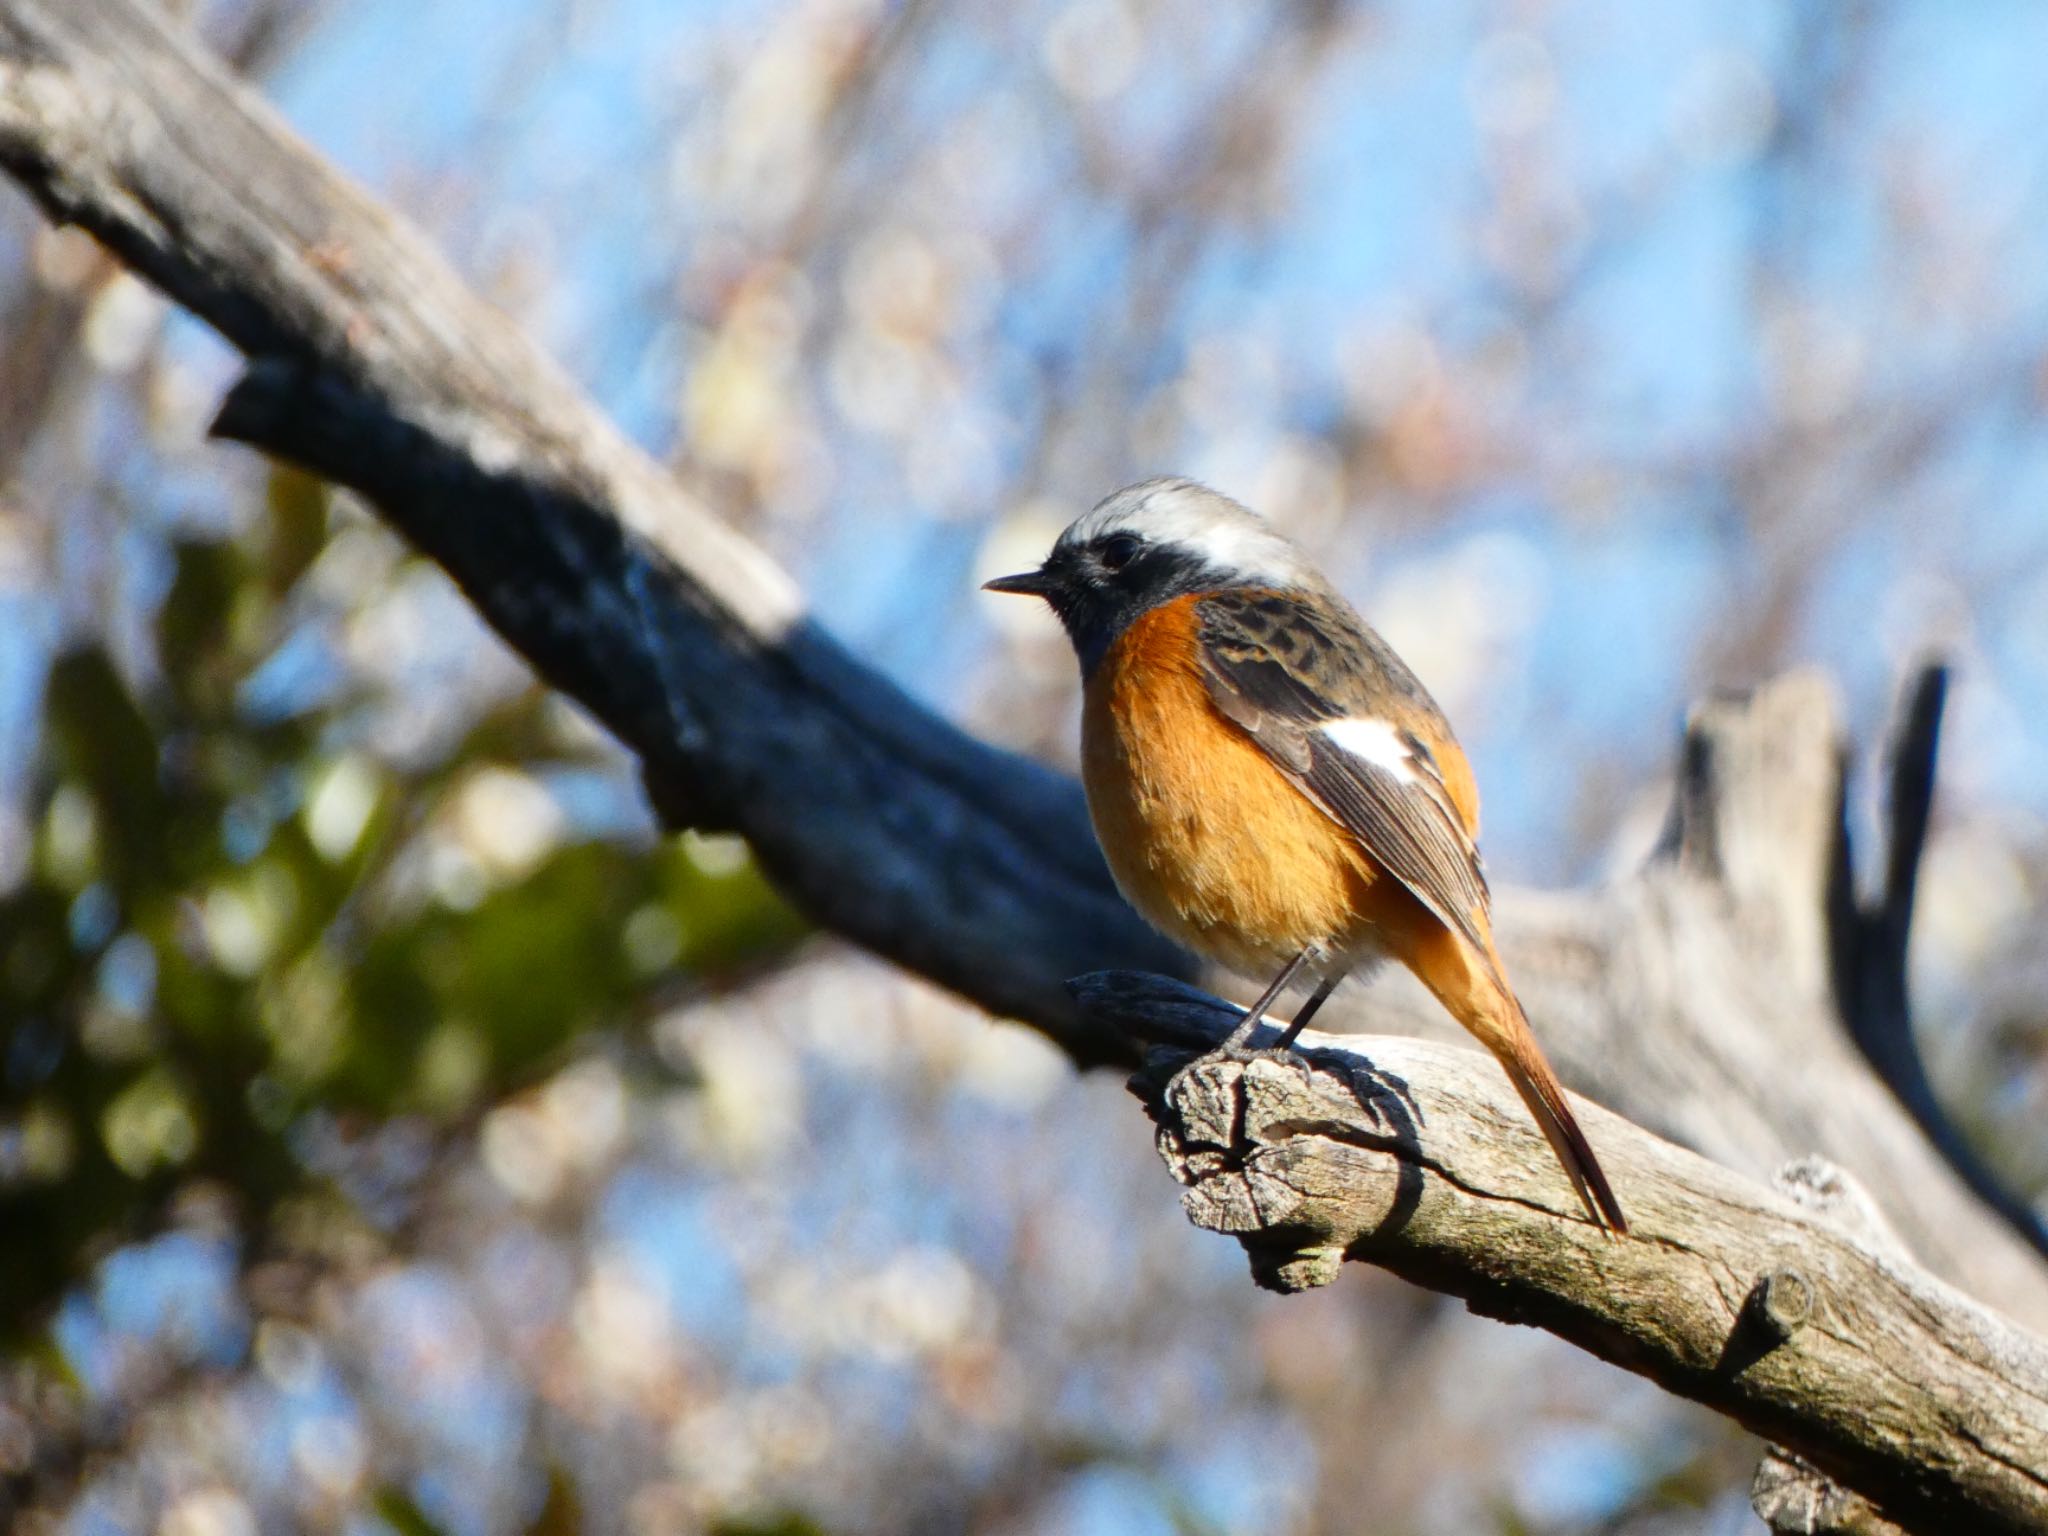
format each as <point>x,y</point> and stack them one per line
<point>1475,992</point>
<point>1544,1094</point>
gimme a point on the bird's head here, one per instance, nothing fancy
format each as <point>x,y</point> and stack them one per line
<point>1149,544</point>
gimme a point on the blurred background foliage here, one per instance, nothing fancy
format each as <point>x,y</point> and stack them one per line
<point>232,919</point>
<point>396,1135</point>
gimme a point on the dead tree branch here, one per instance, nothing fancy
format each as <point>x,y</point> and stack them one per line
<point>1699,996</point>
<point>371,363</point>
<point>1419,1158</point>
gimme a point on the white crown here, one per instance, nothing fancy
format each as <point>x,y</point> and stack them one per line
<point>1207,524</point>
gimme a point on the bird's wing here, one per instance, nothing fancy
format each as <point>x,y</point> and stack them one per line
<point>1336,711</point>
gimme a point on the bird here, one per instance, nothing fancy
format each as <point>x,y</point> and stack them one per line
<point>1271,785</point>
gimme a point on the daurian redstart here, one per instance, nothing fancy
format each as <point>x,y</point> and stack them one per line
<point>1271,785</point>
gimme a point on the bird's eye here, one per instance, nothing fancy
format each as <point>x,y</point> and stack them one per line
<point>1119,550</point>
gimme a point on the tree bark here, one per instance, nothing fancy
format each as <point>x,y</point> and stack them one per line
<point>1419,1157</point>
<point>371,363</point>
<point>1711,996</point>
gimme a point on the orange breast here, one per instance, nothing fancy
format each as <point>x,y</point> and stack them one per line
<point>1205,835</point>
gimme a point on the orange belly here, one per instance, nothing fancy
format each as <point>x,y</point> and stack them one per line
<point>1204,834</point>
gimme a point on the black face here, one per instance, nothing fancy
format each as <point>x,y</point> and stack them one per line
<point>1099,587</point>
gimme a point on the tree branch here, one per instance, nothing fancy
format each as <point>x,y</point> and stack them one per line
<point>1419,1158</point>
<point>371,364</point>
<point>1678,994</point>
<point>1869,936</point>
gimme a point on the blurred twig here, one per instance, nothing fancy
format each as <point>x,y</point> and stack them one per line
<point>1870,939</point>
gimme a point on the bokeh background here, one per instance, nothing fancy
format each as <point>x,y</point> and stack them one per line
<point>396,1136</point>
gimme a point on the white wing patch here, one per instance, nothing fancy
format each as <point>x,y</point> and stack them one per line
<point>1376,742</point>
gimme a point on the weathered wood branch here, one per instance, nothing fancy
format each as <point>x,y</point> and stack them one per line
<point>1868,934</point>
<point>1791,1494</point>
<point>1418,1157</point>
<point>372,364</point>
<point>1698,995</point>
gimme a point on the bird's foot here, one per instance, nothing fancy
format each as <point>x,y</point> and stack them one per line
<point>1245,1055</point>
<point>1240,1053</point>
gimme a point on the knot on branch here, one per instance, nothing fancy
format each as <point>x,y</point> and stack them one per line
<point>1823,1186</point>
<point>1781,1303</point>
<point>1777,1307</point>
<point>1299,1157</point>
<point>1259,1143</point>
<point>1225,1133</point>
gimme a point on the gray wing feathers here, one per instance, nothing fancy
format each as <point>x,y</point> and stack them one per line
<point>1280,671</point>
<point>1409,831</point>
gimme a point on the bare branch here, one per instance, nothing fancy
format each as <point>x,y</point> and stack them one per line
<point>1696,995</point>
<point>372,364</point>
<point>1870,933</point>
<point>1419,1158</point>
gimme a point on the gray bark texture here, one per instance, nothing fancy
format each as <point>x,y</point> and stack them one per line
<point>1804,1322</point>
<point>1737,995</point>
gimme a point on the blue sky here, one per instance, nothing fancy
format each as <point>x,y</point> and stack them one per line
<point>1380,219</point>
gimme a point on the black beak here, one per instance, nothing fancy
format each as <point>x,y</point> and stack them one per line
<point>1026,583</point>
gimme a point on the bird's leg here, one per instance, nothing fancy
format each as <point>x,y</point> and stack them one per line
<point>1249,1024</point>
<point>1316,1000</point>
